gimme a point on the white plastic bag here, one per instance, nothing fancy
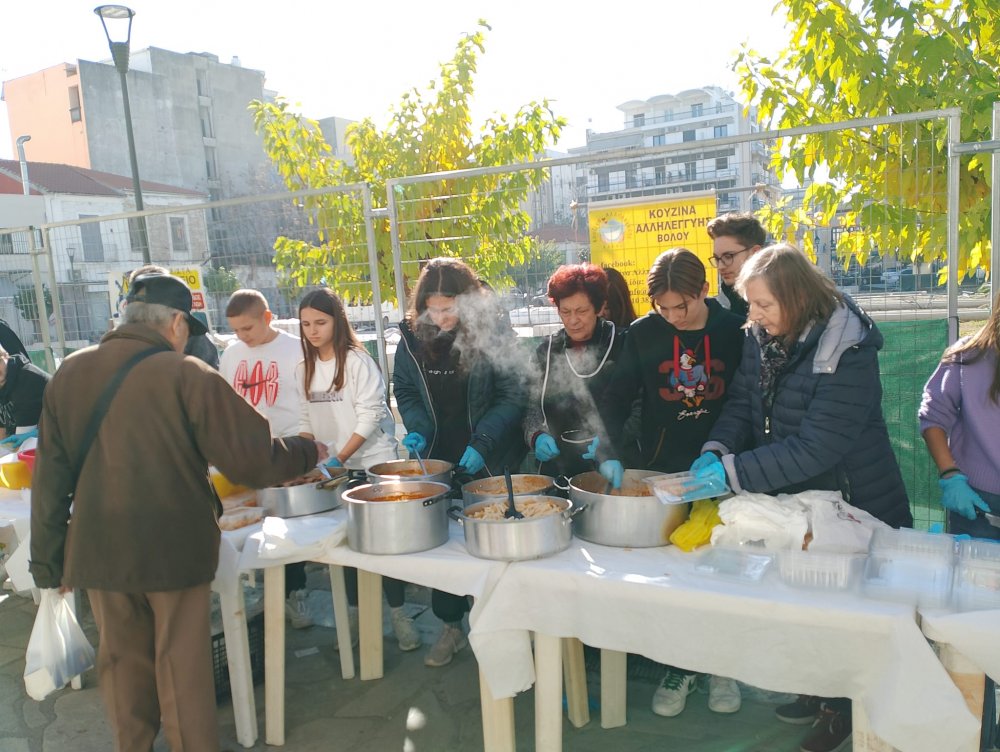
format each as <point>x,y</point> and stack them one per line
<point>57,649</point>
<point>761,520</point>
<point>837,526</point>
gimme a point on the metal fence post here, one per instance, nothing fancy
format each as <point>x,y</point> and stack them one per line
<point>56,302</point>
<point>995,230</point>
<point>397,254</point>
<point>43,317</point>
<point>383,358</point>
<point>954,167</point>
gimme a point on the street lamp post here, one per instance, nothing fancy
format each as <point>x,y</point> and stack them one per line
<point>119,54</point>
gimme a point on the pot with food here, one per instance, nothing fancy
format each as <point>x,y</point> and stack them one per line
<point>545,528</point>
<point>397,517</point>
<point>495,487</point>
<point>309,494</point>
<point>629,517</point>
<point>436,471</point>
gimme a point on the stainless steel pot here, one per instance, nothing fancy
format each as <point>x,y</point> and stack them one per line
<point>438,471</point>
<point>491,489</point>
<point>628,519</point>
<point>308,498</point>
<point>379,522</point>
<point>516,540</point>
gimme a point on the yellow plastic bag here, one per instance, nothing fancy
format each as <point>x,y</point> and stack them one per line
<point>697,531</point>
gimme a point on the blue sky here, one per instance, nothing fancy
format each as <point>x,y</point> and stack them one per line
<point>355,59</point>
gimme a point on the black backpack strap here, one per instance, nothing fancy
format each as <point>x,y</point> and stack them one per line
<point>104,402</point>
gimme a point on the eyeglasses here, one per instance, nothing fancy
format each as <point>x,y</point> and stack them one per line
<point>725,259</point>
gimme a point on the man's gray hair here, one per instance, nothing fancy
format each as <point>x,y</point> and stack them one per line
<point>151,314</point>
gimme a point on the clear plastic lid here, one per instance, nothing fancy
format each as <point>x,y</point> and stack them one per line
<point>680,488</point>
<point>746,565</point>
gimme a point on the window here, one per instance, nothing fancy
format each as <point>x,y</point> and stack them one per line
<point>660,140</point>
<point>603,184</point>
<point>6,244</point>
<point>75,114</point>
<point>178,235</point>
<point>721,131</point>
<point>638,120</point>
<point>689,135</point>
<point>136,234</point>
<point>211,168</point>
<point>661,174</point>
<point>631,178</point>
<point>206,122</point>
<point>90,234</point>
<point>722,163</point>
<point>201,78</point>
<point>696,110</point>
<point>690,170</point>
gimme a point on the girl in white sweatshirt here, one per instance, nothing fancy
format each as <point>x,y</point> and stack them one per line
<point>342,397</point>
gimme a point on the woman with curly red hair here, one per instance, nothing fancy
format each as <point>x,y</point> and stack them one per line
<point>573,367</point>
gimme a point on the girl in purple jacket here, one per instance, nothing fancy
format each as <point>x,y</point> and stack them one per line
<point>958,419</point>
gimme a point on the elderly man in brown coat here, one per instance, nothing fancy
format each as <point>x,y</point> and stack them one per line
<point>142,533</point>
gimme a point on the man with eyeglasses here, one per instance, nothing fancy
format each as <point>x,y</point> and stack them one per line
<point>735,238</point>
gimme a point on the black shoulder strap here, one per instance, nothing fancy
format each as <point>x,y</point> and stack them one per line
<point>104,402</point>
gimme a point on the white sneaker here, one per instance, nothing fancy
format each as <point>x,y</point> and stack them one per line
<point>297,610</point>
<point>723,695</point>
<point>405,630</point>
<point>452,640</point>
<point>352,623</point>
<point>671,696</point>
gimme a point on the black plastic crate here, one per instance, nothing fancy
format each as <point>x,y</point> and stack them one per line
<point>220,666</point>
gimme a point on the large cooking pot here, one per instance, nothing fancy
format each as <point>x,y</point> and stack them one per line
<point>438,471</point>
<point>493,488</point>
<point>306,498</point>
<point>631,517</point>
<point>516,540</point>
<point>397,517</point>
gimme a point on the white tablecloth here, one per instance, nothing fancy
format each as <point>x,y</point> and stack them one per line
<point>448,567</point>
<point>975,634</point>
<point>652,602</point>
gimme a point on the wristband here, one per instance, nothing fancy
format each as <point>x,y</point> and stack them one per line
<point>948,470</point>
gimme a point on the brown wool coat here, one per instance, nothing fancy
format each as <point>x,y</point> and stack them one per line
<point>144,510</point>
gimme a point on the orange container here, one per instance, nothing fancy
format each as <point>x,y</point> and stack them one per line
<point>15,475</point>
<point>28,458</point>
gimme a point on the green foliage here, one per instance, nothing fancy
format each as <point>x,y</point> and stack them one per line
<point>538,267</point>
<point>429,131</point>
<point>868,59</point>
<point>27,302</point>
<point>221,281</point>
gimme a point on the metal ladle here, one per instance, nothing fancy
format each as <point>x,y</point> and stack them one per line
<point>423,468</point>
<point>511,512</point>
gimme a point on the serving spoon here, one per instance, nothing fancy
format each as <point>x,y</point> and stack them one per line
<point>510,512</point>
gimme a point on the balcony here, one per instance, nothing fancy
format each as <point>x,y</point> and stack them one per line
<point>648,119</point>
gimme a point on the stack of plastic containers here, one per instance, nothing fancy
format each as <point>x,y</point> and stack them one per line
<point>977,575</point>
<point>910,567</point>
<point>820,570</point>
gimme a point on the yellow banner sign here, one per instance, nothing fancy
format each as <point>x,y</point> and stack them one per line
<point>629,235</point>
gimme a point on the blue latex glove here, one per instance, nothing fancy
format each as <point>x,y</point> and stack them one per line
<point>958,497</point>
<point>15,441</point>
<point>708,458</point>
<point>472,461</point>
<point>612,471</point>
<point>545,448</point>
<point>414,442</point>
<point>710,477</point>
<point>591,452</point>
<point>333,462</point>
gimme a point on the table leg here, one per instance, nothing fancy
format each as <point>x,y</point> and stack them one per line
<point>274,655</point>
<point>970,680</point>
<point>498,720</point>
<point>370,624</point>
<point>548,693</point>
<point>575,681</point>
<point>234,629</point>
<point>613,688</point>
<point>338,588</point>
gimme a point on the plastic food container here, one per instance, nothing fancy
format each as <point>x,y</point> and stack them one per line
<point>910,567</point>
<point>820,570</point>
<point>671,488</point>
<point>15,475</point>
<point>239,517</point>
<point>977,575</point>
<point>740,564</point>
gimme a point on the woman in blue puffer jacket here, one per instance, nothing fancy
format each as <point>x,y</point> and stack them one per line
<point>805,412</point>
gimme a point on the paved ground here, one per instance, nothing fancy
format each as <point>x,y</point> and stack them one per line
<point>412,709</point>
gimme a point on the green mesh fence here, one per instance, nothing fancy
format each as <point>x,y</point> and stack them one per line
<point>911,352</point>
